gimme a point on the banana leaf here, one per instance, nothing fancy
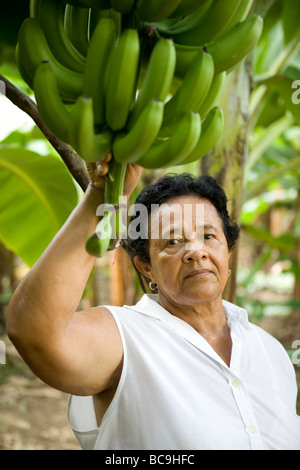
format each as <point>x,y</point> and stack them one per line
<point>283,85</point>
<point>272,110</point>
<point>291,19</point>
<point>284,243</point>
<point>37,194</point>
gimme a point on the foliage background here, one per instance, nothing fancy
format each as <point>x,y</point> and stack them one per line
<point>257,162</point>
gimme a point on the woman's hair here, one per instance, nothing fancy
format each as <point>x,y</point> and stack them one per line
<point>173,186</point>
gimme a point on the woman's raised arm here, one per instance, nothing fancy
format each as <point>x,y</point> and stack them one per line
<point>63,346</point>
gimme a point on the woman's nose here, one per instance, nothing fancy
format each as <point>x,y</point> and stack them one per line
<point>195,250</point>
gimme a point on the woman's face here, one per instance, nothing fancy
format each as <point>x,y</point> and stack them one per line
<point>188,252</point>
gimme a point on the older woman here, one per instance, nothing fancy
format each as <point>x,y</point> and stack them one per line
<point>183,369</point>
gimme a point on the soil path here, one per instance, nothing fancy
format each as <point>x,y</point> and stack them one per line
<point>33,416</point>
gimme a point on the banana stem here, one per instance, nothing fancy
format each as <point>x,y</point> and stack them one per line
<point>115,182</point>
<point>110,229</point>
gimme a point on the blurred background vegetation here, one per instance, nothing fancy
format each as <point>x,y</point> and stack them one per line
<point>257,161</point>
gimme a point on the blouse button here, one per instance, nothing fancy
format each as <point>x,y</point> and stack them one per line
<point>252,429</point>
<point>236,383</point>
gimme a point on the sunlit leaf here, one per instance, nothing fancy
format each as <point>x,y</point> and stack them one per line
<point>36,196</point>
<point>285,242</point>
<point>291,19</point>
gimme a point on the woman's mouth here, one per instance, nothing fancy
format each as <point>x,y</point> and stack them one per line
<point>199,273</point>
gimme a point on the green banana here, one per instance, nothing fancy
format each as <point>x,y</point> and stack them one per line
<point>50,14</point>
<point>130,147</point>
<point>212,128</point>
<point>110,229</point>
<point>228,51</point>
<point>123,6</point>
<point>54,113</point>
<point>191,94</point>
<point>33,49</point>
<point>209,26</point>
<point>26,77</point>
<point>90,147</point>
<point>98,243</point>
<point>177,147</point>
<point>122,79</point>
<point>240,15</point>
<point>97,4</point>
<point>155,10</point>
<point>185,56</point>
<point>77,24</point>
<point>158,77</point>
<point>234,46</point>
<point>187,7</point>
<point>95,74</point>
<point>214,91</point>
<point>173,25</point>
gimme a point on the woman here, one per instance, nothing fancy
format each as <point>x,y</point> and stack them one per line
<point>180,370</point>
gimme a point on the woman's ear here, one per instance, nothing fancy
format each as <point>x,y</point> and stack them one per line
<point>143,267</point>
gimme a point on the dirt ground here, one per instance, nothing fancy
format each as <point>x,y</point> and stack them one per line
<point>33,415</point>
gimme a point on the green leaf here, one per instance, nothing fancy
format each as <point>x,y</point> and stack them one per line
<point>283,85</point>
<point>291,19</point>
<point>272,110</point>
<point>37,194</point>
<point>284,243</point>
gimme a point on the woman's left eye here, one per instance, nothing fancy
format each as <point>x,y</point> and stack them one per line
<point>208,236</point>
<point>173,242</point>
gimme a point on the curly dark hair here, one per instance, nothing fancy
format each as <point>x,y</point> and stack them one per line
<point>173,186</point>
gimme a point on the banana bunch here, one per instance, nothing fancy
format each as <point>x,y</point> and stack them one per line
<point>135,80</point>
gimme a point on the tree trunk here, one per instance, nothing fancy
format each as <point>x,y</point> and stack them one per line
<point>116,278</point>
<point>226,161</point>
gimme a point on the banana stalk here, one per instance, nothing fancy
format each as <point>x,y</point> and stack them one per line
<point>110,229</point>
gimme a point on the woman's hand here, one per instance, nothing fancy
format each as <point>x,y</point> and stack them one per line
<point>98,171</point>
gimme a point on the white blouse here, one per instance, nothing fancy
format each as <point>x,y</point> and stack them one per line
<point>176,393</point>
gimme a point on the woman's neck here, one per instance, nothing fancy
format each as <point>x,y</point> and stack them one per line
<point>208,319</point>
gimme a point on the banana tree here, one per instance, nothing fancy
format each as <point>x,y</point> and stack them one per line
<point>258,107</point>
<point>275,117</point>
